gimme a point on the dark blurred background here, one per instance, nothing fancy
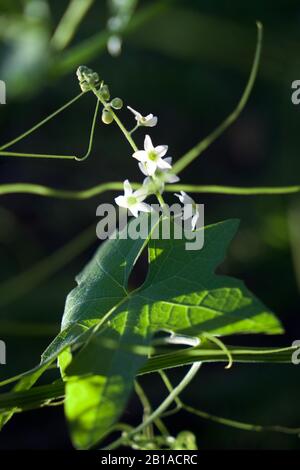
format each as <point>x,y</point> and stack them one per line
<point>187,62</point>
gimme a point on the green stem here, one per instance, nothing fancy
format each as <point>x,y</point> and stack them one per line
<point>41,394</point>
<point>134,129</point>
<point>221,345</point>
<point>91,139</point>
<point>239,424</point>
<point>39,190</point>
<point>186,357</point>
<point>235,190</point>
<point>160,199</point>
<point>147,412</point>
<point>41,123</point>
<point>116,119</point>
<point>226,422</point>
<point>70,157</point>
<point>37,155</point>
<point>146,408</point>
<point>162,407</point>
<point>239,354</point>
<point>169,387</point>
<point>121,427</point>
<point>192,154</point>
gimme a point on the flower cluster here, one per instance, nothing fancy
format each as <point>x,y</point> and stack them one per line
<point>153,161</point>
<point>157,168</point>
<point>89,81</point>
<point>191,209</point>
<point>87,78</point>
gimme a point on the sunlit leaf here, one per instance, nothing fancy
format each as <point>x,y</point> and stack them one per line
<point>181,294</point>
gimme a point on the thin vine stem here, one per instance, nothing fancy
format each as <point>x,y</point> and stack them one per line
<point>46,191</point>
<point>147,412</point>
<point>92,133</point>
<point>240,424</point>
<point>44,121</point>
<point>236,190</point>
<point>196,151</point>
<point>184,357</point>
<point>160,199</point>
<point>180,405</point>
<point>116,119</point>
<point>37,155</point>
<point>41,123</point>
<point>161,408</point>
<point>169,387</point>
<point>147,409</point>
<point>221,345</point>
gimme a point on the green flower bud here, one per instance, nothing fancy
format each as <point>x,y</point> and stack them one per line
<point>104,90</point>
<point>82,69</point>
<point>117,103</point>
<point>87,78</point>
<point>107,116</point>
<point>84,86</point>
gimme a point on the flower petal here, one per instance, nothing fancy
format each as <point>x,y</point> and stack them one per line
<point>168,160</point>
<point>148,143</point>
<point>141,193</point>
<point>187,212</point>
<point>121,201</point>
<point>151,167</point>
<point>140,155</point>
<point>151,122</point>
<point>195,220</point>
<point>134,210</point>
<point>143,168</point>
<point>180,197</point>
<point>137,115</point>
<point>143,207</point>
<point>170,178</point>
<point>186,199</point>
<point>127,188</point>
<point>147,181</point>
<point>161,150</point>
<point>161,163</point>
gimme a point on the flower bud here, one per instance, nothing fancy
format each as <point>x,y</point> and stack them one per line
<point>84,86</point>
<point>87,78</point>
<point>104,90</point>
<point>117,103</point>
<point>107,116</point>
<point>82,69</point>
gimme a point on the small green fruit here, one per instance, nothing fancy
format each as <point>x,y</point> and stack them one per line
<point>107,116</point>
<point>117,103</point>
<point>104,90</point>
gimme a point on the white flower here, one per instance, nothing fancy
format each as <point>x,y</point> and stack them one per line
<point>151,156</point>
<point>133,200</point>
<point>160,177</point>
<point>191,209</point>
<point>147,121</point>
